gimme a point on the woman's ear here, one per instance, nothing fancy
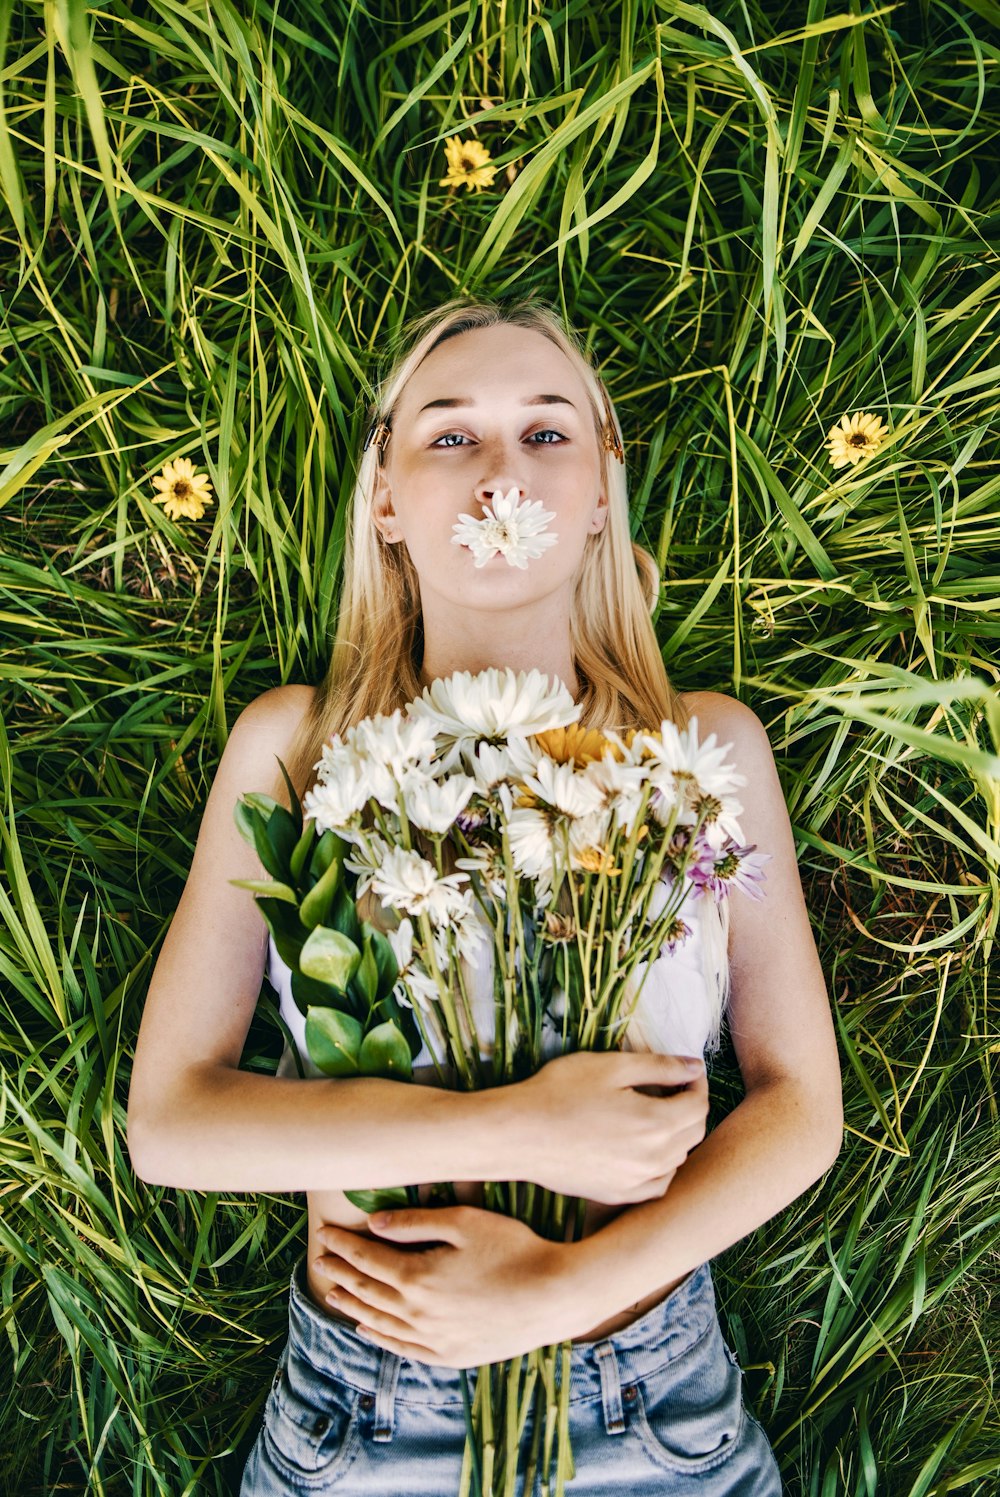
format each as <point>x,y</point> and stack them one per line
<point>599,518</point>
<point>383,514</point>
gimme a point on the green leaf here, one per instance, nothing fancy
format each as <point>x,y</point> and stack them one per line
<point>307,991</point>
<point>390,1197</point>
<point>366,977</point>
<point>333,1040</point>
<point>344,916</point>
<point>315,908</point>
<point>385,957</point>
<point>302,850</point>
<point>283,923</point>
<point>384,1052</point>
<point>328,847</point>
<point>329,956</point>
<point>266,887</point>
<point>283,835</point>
<point>265,849</point>
<point>294,808</point>
<point>244,819</point>
<point>258,801</point>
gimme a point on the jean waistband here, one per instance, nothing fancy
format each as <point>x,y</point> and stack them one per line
<point>655,1338</point>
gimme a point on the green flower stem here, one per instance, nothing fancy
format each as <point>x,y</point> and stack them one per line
<point>470,1459</point>
<point>447,1006</point>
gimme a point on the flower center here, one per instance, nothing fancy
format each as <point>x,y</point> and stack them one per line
<point>857,439</point>
<point>181,487</point>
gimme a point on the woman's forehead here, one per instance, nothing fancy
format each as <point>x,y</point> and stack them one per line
<point>511,367</point>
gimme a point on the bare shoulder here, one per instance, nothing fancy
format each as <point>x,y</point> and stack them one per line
<point>731,720</point>
<point>279,710</point>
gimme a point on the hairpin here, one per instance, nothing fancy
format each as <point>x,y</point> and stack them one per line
<point>609,435</point>
<point>378,433</point>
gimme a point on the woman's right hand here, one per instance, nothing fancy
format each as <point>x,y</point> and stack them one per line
<point>593,1134</point>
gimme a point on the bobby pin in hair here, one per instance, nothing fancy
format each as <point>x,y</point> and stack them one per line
<point>609,434</point>
<point>378,433</point>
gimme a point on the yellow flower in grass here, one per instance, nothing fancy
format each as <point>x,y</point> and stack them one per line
<point>468,163</point>
<point>855,438</point>
<point>183,492</point>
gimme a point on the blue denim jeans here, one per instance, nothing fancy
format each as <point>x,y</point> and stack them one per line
<point>655,1408</point>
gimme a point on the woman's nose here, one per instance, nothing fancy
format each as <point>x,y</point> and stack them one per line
<point>488,490</point>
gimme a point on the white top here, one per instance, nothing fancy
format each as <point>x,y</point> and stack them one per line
<point>679,1012</point>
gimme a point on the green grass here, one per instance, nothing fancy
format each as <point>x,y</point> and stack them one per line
<point>213,217</point>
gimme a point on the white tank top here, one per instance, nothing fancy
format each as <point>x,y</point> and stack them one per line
<point>679,1011</point>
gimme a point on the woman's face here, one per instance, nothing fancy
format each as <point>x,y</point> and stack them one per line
<point>483,435</point>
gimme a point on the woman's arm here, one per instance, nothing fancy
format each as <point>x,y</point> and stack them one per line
<point>788,1129</point>
<point>196,1121</point>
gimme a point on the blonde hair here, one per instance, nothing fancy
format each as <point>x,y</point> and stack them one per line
<point>372,665</point>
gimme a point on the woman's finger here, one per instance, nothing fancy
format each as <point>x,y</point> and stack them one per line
<point>376,1259</point>
<point>402,1348</point>
<point>369,1315</point>
<point>343,1275</point>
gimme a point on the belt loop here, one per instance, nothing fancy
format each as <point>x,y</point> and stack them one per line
<point>611,1387</point>
<point>385,1394</point>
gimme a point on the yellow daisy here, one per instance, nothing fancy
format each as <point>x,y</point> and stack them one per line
<point>855,438</point>
<point>575,743</point>
<point>468,163</point>
<point>183,492</point>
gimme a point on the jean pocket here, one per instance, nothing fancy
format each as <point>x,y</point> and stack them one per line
<point>689,1414</point>
<point>311,1425</point>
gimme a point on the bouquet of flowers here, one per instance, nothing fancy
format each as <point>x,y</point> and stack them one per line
<point>483,811</point>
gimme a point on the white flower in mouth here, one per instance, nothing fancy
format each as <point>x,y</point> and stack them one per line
<point>513,530</point>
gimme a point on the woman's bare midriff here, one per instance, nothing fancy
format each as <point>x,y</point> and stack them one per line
<point>332,1207</point>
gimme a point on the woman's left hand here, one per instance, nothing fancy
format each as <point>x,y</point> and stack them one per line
<point>489,1289</point>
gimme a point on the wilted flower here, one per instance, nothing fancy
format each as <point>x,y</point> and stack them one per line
<point>678,931</point>
<point>559,927</point>
<point>468,164</point>
<point>183,492</point>
<point>856,437</point>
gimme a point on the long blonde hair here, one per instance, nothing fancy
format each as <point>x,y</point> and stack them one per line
<point>373,663</point>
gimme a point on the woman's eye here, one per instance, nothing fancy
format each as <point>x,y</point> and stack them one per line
<point>546,431</point>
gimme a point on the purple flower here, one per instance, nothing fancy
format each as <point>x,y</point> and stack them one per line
<point>731,867</point>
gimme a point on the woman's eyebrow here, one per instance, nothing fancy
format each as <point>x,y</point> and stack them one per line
<point>451,401</point>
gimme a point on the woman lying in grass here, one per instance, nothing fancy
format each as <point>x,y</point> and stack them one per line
<point>488,403</point>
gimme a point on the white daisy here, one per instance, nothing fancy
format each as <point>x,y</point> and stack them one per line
<point>510,529</point>
<point>433,805</point>
<point>397,751</point>
<point>586,833</point>
<point>529,830</point>
<point>463,708</point>
<point>487,864</point>
<point>409,882</point>
<point>680,752</point>
<point>335,804</point>
<point>565,788</point>
<point>621,784</point>
<point>489,763</point>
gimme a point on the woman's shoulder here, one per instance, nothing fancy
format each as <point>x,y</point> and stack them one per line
<point>720,714</point>
<point>725,716</point>
<point>282,707</point>
<point>738,726</point>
